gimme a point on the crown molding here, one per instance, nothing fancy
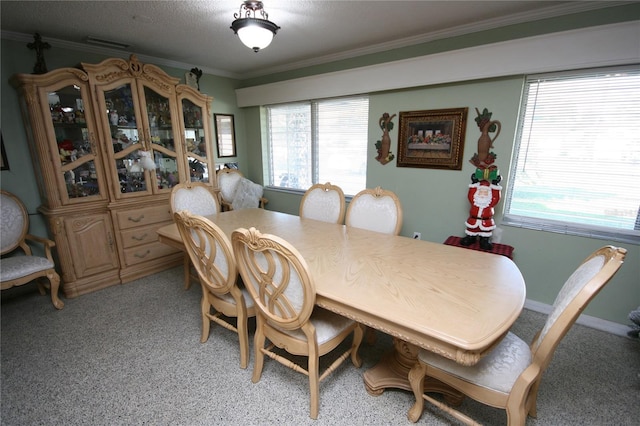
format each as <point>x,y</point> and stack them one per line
<point>113,53</point>
<point>489,24</point>
<point>599,46</point>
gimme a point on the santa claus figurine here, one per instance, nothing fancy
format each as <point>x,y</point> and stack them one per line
<point>483,196</point>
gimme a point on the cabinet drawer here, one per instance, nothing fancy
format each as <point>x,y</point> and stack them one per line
<point>141,235</point>
<point>144,253</point>
<point>142,217</point>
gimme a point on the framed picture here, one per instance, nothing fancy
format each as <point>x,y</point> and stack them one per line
<point>225,135</point>
<point>432,138</point>
<point>4,162</point>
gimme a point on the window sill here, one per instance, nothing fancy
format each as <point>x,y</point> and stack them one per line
<point>599,233</point>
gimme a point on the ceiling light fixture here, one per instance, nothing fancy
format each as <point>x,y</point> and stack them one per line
<point>255,32</point>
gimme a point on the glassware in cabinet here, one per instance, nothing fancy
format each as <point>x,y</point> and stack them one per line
<point>162,139</point>
<point>75,142</point>
<point>197,134</point>
<point>126,142</point>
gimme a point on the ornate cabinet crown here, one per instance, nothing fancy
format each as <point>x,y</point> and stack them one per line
<point>108,143</point>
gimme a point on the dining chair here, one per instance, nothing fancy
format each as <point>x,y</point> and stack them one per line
<point>278,279</point>
<point>236,191</point>
<point>509,376</point>
<point>222,294</point>
<point>199,199</point>
<point>377,210</point>
<point>21,266</point>
<point>323,201</point>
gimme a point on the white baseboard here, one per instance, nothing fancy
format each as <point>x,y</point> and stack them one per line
<point>586,320</point>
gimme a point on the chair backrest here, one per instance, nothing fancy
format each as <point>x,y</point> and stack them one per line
<point>324,202</point>
<point>581,287</point>
<point>196,197</point>
<point>276,276</point>
<point>14,222</point>
<point>210,251</point>
<point>376,210</point>
<point>228,180</point>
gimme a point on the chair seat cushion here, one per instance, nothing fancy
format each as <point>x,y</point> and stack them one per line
<point>21,266</point>
<point>248,300</point>
<point>328,325</point>
<point>498,370</point>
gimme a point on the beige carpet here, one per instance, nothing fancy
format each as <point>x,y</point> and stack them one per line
<point>131,355</point>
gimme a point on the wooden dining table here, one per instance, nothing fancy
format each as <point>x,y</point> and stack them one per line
<point>455,302</point>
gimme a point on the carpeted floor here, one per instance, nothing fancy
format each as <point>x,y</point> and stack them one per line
<point>131,355</point>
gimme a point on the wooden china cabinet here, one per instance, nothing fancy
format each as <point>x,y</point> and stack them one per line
<point>108,142</point>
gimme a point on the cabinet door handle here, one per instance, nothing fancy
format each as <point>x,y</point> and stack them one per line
<point>137,219</point>
<point>142,255</point>
<point>139,238</point>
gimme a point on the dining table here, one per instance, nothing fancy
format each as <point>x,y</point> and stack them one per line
<point>455,302</point>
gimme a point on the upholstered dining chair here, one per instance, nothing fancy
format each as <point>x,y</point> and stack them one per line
<point>278,279</point>
<point>323,201</point>
<point>222,295</point>
<point>18,264</point>
<point>238,192</point>
<point>199,199</point>
<point>377,210</point>
<point>509,376</point>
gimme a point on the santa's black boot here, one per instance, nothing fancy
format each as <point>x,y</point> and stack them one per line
<point>468,240</point>
<point>485,243</point>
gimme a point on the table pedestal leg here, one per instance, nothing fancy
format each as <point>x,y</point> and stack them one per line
<point>393,372</point>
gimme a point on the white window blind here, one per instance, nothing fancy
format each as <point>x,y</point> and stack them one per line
<point>577,156</point>
<point>317,142</point>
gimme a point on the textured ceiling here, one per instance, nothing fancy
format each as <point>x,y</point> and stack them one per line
<point>197,33</point>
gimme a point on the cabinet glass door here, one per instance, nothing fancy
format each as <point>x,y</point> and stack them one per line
<point>163,144</point>
<point>76,148</point>
<point>196,141</point>
<point>125,139</point>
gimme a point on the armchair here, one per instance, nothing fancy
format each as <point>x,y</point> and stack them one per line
<point>22,268</point>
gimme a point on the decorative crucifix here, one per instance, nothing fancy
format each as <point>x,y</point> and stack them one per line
<point>38,45</point>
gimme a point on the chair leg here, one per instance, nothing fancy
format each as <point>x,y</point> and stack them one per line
<point>243,337</point>
<point>205,309</point>
<point>358,335</point>
<point>314,382</point>
<point>416,379</point>
<point>187,272</point>
<point>258,343</point>
<point>54,279</point>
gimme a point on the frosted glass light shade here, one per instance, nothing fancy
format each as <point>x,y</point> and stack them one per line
<point>255,33</point>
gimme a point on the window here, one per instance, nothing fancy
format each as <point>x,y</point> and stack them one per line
<point>317,142</point>
<point>576,168</point>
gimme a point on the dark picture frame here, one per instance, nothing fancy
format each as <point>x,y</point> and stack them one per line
<point>4,163</point>
<point>432,138</point>
<point>225,135</point>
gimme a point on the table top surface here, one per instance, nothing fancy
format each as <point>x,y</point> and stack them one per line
<point>447,299</point>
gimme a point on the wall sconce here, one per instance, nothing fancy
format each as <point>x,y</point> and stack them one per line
<point>255,32</point>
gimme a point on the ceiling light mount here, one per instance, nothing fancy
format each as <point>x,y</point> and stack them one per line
<point>252,25</point>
